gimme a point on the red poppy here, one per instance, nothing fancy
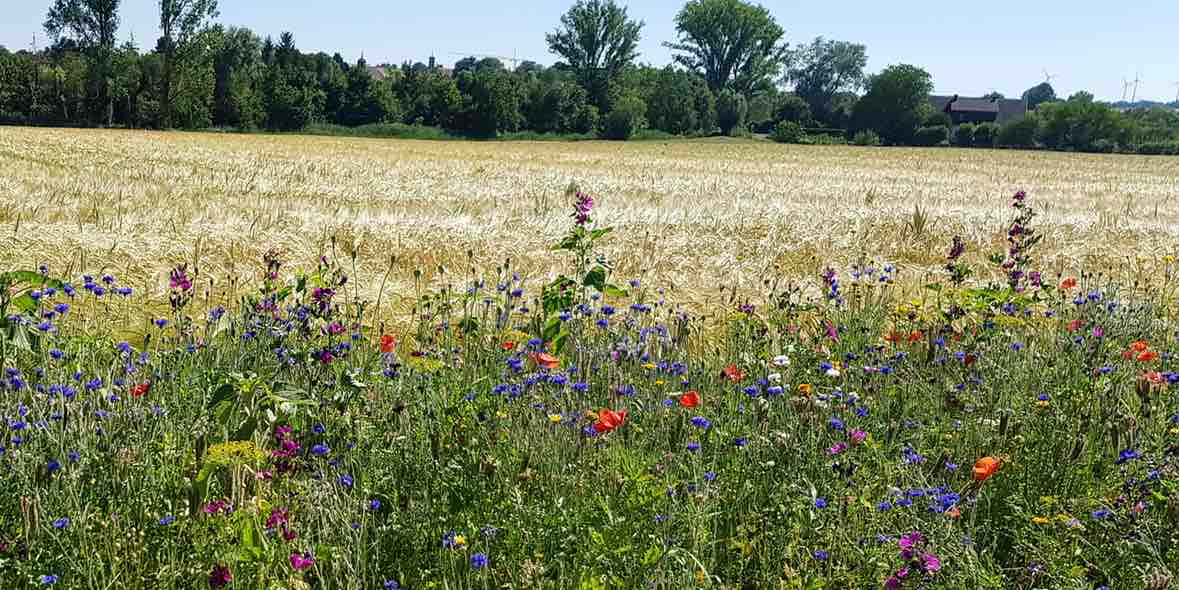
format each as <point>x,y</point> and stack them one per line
<point>1068,283</point>
<point>545,360</point>
<point>388,343</point>
<point>892,337</point>
<point>915,336</point>
<point>1139,345</point>
<point>732,373</point>
<point>609,420</point>
<point>690,399</point>
<point>1150,355</point>
<point>140,389</point>
<point>1075,325</point>
<point>985,468</point>
<point>508,345</point>
<point>1154,377</point>
<point>969,359</point>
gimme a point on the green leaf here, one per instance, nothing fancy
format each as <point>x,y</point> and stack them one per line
<point>614,291</point>
<point>596,278</point>
<point>652,555</point>
<point>597,233</point>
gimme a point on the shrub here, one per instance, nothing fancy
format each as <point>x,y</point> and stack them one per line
<point>866,137</point>
<point>985,134</point>
<point>1019,133</point>
<point>824,139</point>
<point>964,135</point>
<point>788,132</point>
<point>626,118</point>
<point>1159,148</point>
<point>793,108</point>
<point>939,119</point>
<point>731,109</point>
<point>932,136</point>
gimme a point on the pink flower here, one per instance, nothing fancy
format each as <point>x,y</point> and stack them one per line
<point>858,436</point>
<point>301,562</point>
<point>931,562</point>
<point>837,449</point>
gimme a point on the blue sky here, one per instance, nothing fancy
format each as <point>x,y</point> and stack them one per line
<point>1002,45</point>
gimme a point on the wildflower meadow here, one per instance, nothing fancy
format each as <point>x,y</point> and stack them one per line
<point>1001,426</point>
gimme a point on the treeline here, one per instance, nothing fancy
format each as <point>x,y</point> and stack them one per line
<point>731,68</point>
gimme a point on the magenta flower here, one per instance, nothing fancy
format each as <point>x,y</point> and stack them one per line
<point>178,278</point>
<point>302,562</point>
<point>582,208</point>
<point>837,449</point>
<point>220,577</point>
<point>931,562</point>
<point>858,436</point>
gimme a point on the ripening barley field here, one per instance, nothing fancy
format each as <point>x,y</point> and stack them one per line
<point>236,362</point>
<point>690,215</point>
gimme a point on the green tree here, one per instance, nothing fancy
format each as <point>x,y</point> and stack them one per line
<point>366,100</point>
<point>734,45</point>
<point>896,103</point>
<point>822,70</point>
<point>680,103</point>
<point>731,108</point>
<point>794,109</point>
<point>1038,95</point>
<point>237,65</point>
<point>92,24</point>
<point>596,40</point>
<point>181,23</point>
<point>627,117</point>
<point>491,102</point>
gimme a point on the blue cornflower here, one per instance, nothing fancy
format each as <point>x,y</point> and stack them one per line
<point>161,322</point>
<point>479,560</point>
<point>345,480</point>
<point>701,422</point>
<point>61,523</point>
<point>709,475</point>
<point>56,354</point>
<point>319,429</point>
<point>53,465</point>
<point>821,555</point>
<point>374,505</point>
<point>391,585</point>
<point>167,520</point>
<point>48,580</point>
<point>835,423</point>
<point>693,447</point>
<point>741,441</point>
<point>320,449</point>
<point>820,503</point>
<point>1101,514</point>
<point>1126,456</point>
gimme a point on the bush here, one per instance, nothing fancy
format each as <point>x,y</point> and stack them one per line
<point>964,135</point>
<point>627,117</point>
<point>1159,148</point>
<point>794,109</point>
<point>986,134</point>
<point>866,137</point>
<point>731,109</point>
<point>1019,133</point>
<point>932,136</point>
<point>788,132</point>
<point>939,119</point>
<point>825,139</point>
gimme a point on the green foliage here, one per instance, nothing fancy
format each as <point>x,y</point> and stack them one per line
<point>734,45</point>
<point>1039,94</point>
<point>491,102</point>
<point>792,108</point>
<point>628,116</point>
<point>596,40</point>
<point>1019,133</point>
<point>1082,124</point>
<point>986,134</point>
<point>788,132</point>
<point>731,108</point>
<point>822,70</point>
<point>896,103</point>
<point>680,103</point>
<point>866,137</point>
<point>932,136</point>
<point>964,135</point>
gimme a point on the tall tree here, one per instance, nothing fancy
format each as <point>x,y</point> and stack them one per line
<point>823,69</point>
<point>733,44</point>
<point>897,102</point>
<point>92,24</point>
<point>181,21</point>
<point>596,40</point>
<point>1039,94</point>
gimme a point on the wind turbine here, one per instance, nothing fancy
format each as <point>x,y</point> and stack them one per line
<point>1177,92</point>
<point>1048,78</point>
<point>1126,84</point>
<point>1134,97</point>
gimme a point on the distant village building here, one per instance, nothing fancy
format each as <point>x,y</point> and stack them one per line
<point>963,109</point>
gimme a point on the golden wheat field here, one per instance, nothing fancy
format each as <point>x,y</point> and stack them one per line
<point>691,215</point>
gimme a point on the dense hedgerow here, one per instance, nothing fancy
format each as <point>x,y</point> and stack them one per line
<point>585,434</point>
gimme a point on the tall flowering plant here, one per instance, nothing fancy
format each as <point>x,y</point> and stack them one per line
<point>591,269</point>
